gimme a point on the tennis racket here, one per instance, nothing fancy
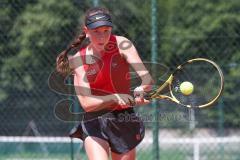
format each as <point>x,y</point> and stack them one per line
<point>205,76</point>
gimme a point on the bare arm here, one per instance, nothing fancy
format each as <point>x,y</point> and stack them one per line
<point>132,57</point>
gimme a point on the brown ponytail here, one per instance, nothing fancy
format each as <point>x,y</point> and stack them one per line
<point>62,59</point>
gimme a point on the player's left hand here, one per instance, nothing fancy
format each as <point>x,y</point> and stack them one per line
<point>138,92</point>
<point>139,96</point>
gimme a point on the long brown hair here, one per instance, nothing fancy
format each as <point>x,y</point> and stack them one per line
<point>62,64</point>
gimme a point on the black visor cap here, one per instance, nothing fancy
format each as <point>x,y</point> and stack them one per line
<point>98,20</point>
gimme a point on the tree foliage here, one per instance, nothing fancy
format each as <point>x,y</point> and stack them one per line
<point>33,32</point>
<point>207,29</point>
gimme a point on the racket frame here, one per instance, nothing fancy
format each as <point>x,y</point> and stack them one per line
<point>157,93</point>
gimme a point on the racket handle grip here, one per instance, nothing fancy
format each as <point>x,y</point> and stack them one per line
<point>132,103</point>
<point>147,97</point>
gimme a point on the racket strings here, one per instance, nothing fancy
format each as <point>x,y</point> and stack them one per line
<point>206,81</point>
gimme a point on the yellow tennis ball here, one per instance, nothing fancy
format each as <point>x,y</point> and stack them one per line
<point>186,88</point>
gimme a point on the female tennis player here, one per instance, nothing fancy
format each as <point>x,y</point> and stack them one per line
<point>102,85</point>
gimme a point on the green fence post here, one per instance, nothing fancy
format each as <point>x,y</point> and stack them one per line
<point>153,60</point>
<point>95,3</point>
<point>72,149</point>
<point>69,82</point>
<point>221,125</point>
<point>220,118</point>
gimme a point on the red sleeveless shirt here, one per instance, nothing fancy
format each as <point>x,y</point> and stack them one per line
<point>107,75</point>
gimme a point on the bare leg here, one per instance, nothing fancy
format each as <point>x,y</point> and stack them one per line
<point>131,155</point>
<point>96,148</point>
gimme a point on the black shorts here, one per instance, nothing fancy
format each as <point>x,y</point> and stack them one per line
<point>123,130</point>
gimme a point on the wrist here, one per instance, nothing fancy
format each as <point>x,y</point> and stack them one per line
<point>146,88</point>
<point>114,98</point>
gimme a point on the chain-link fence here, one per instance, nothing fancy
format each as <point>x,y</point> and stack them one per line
<point>33,33</point>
